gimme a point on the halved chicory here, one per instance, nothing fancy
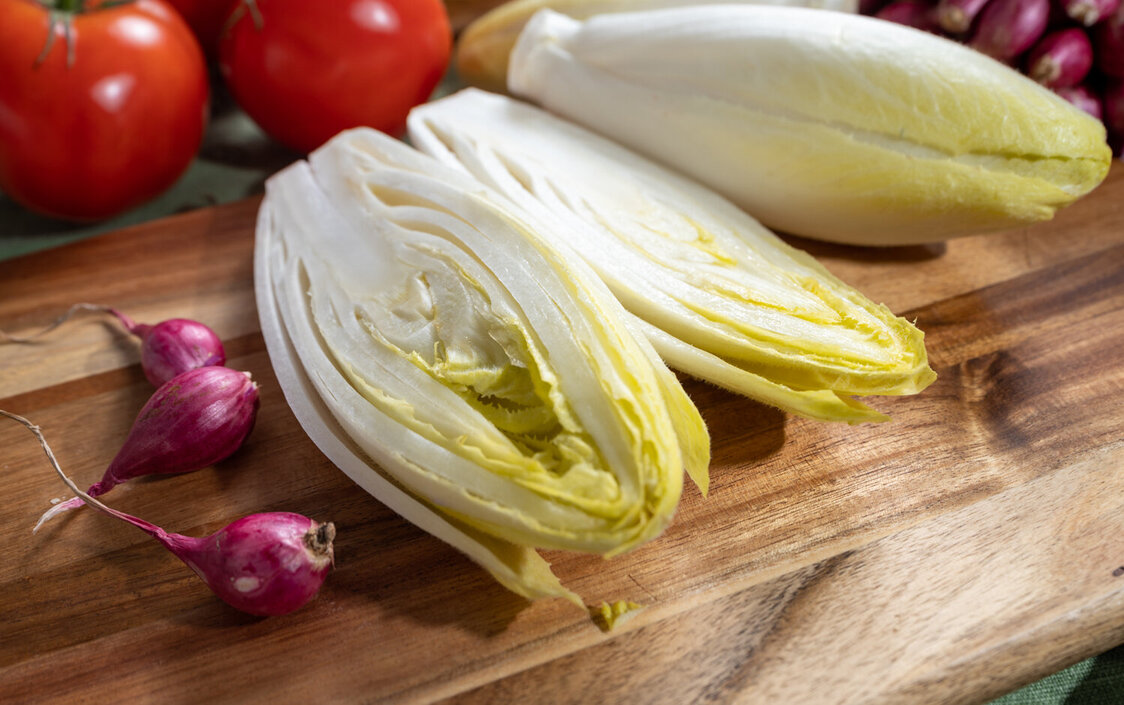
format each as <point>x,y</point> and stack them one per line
<point>718,295</point>
<point>477,379</point>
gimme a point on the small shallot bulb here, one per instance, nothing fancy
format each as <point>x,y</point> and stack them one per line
<point>1089,12</point>
<point>956,16</point>
<point>911,13</point>
<point>1007,28</point>
<point>1083,98</point>
<point>1063,58</point>
<point>1113,97</point>
<point>174,346</point>
<point>1108,38</point>
<point>168,348</point>
<point>265,564</point>
<point>192,421</point>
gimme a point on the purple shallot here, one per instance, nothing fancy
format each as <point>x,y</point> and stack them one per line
<point>194,420</point>
<point>265,564</point>
<point>168,348</point>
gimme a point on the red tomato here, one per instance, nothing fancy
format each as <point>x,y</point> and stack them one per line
<point>90,132</point>
<point>206,18</point>
<point>314,68</point>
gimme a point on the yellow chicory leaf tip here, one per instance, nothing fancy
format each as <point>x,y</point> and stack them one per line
<point>609,616</point>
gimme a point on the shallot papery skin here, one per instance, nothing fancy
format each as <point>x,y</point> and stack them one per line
<point>1089,12</point>
<point>1063,58</point>
<point>1007,28</point>
<point>1083,98</point>
<point>956,16</point>
<point>911,13</point>
<point>174,346</point>
<point>194,420</point>
<point>1108,39</point>
<point>265,564</point>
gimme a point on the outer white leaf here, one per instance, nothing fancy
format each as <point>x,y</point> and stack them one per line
<point>719,296</point>
<point>827,125</point>
<point>477,382</point>
<point>485,45</point>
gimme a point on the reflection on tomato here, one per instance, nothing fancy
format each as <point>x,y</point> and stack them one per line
<point>105,122</point>
<point>306,70</point>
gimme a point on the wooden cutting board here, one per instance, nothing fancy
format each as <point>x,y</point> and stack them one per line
<point>973,544</point>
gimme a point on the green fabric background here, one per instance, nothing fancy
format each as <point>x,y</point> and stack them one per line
<point>1094,681</point>
<point>234,162</point>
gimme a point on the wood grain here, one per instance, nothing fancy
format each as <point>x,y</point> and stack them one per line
<point>197,271</point>
<point>811,636</point>
<point>955,553</point>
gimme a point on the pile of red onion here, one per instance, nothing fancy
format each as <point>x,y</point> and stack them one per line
<point>1073,47</point>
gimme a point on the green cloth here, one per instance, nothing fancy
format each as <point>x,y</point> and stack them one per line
<point>1094,681</point>
<point>234,162</point>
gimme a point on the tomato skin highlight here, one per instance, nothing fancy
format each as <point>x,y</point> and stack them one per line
<point>313,69</point>
<point>89,138</point>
